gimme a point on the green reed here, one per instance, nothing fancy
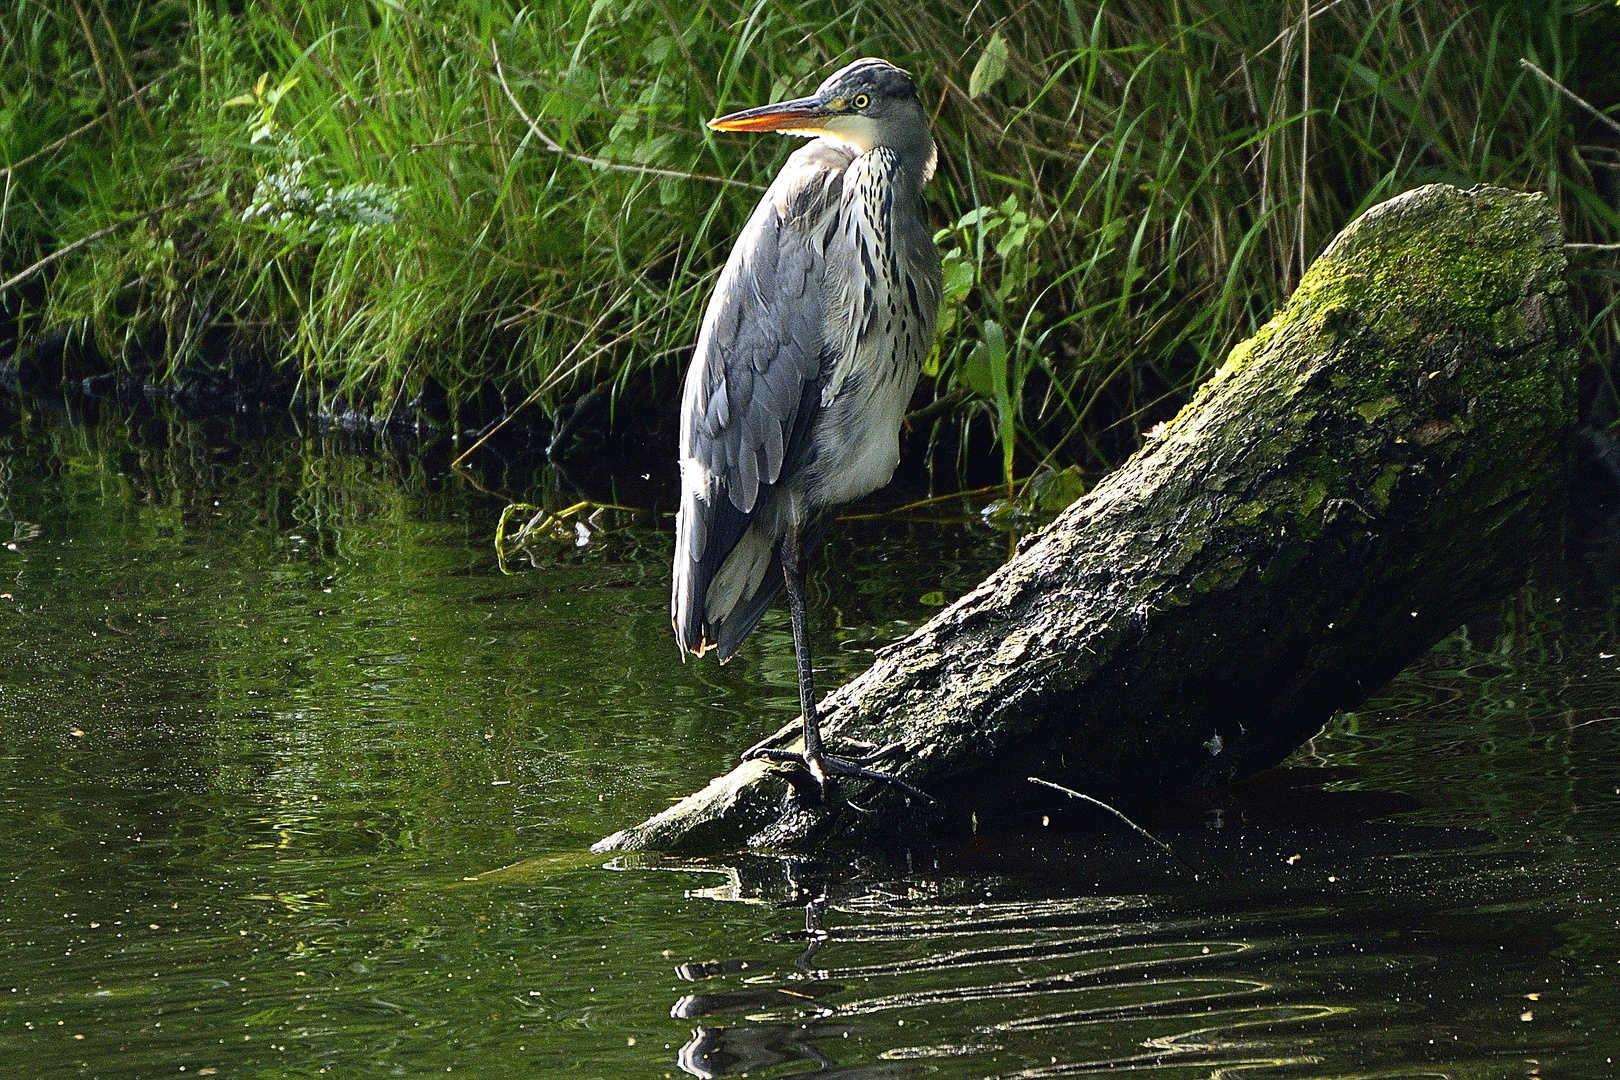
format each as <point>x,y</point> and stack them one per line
<point>1127,187</point>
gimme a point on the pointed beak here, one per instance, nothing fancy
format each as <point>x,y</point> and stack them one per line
<point>783,116</point>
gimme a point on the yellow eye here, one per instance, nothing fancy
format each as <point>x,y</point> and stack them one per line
<point>862,101</point>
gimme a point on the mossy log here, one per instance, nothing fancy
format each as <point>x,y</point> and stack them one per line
<point>1372,466</point>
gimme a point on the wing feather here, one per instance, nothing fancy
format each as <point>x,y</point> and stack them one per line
<point>752,384</point>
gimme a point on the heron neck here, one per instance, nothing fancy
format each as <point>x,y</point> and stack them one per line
<point>915,147</point>
<point>925,164</point>
<point>910,141</point>
<point>917,160</point>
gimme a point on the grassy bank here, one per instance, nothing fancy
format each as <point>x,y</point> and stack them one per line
<point>482,194</point>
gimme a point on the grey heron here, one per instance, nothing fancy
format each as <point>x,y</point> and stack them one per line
<point>808,354</point>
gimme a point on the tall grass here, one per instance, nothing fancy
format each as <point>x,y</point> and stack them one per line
<point>1127,187</point>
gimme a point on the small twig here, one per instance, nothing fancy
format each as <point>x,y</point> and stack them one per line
<point>1290,29</point>
<point>123,66</point>
<point>86,126</point>
<point>943,403</point>
<point>63,252</point>
<point>1602,116</point>
<point>601,163</point>
<point>930,501</point>
<point>537,392</point>
<point>1160,844</point>
<point>101,72</point>
<point>1592,247</point>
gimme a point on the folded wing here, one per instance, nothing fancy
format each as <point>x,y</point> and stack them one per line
<point>762,359</point>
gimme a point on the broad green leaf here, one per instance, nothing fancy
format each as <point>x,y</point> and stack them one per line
<point>973,217</point>
<point>281,91</point>
<point>659,50</point>
<point>995,345</point>
<point>1012,241</point>
<point>991,68</point>
<point>976,372</point>
<point>931,366</point>
<point>1111,232</point>
<point>985,371</point>
<point>958,279</point>
<point>1053,490</point>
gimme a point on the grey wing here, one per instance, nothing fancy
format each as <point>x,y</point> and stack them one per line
<point>750,392</point>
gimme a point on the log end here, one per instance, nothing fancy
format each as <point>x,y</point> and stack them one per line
<point>722,816</point>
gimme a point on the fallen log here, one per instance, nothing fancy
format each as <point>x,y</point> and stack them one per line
<point>1370,468</point>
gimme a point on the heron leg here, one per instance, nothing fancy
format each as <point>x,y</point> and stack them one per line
<point>793,573</point>
<point>823,768</point>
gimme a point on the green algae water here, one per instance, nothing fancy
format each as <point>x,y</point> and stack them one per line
<point>294,781</point>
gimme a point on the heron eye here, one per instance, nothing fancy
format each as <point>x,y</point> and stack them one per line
<point>862,101</point>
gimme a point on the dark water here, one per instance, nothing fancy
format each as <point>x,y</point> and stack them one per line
<point>294,782</point>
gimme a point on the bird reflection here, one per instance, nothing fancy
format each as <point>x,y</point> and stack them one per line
<point>753,999</point>
<point>729,1051</point>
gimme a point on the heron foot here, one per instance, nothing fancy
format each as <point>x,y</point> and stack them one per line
<point>874,752</point>
<point>825,769</point>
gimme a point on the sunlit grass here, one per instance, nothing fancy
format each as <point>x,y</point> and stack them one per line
<point>1136,187</point>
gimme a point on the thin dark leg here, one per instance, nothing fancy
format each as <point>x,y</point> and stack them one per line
<point>822,768</point>
<point>793,572</point>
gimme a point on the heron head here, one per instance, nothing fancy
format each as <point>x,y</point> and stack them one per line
<point>867,104</point>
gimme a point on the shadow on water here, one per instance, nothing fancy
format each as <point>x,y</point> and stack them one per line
<point>295,782</point>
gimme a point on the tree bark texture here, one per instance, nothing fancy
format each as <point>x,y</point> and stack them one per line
<point>1372,466</point>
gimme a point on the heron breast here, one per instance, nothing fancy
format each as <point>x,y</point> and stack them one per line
<point>858,441</point>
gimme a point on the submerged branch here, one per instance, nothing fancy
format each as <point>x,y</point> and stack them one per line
<point>61,253</point>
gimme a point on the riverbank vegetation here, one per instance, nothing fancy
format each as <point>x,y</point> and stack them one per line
<point>521,204</point>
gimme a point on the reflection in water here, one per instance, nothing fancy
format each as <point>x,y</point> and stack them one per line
<point>1300,952</point>
<point>1134,992</point>
<point>733,1051</point>
<point>294,782</point>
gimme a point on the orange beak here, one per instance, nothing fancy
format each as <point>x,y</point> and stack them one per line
<point>783,116</point>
